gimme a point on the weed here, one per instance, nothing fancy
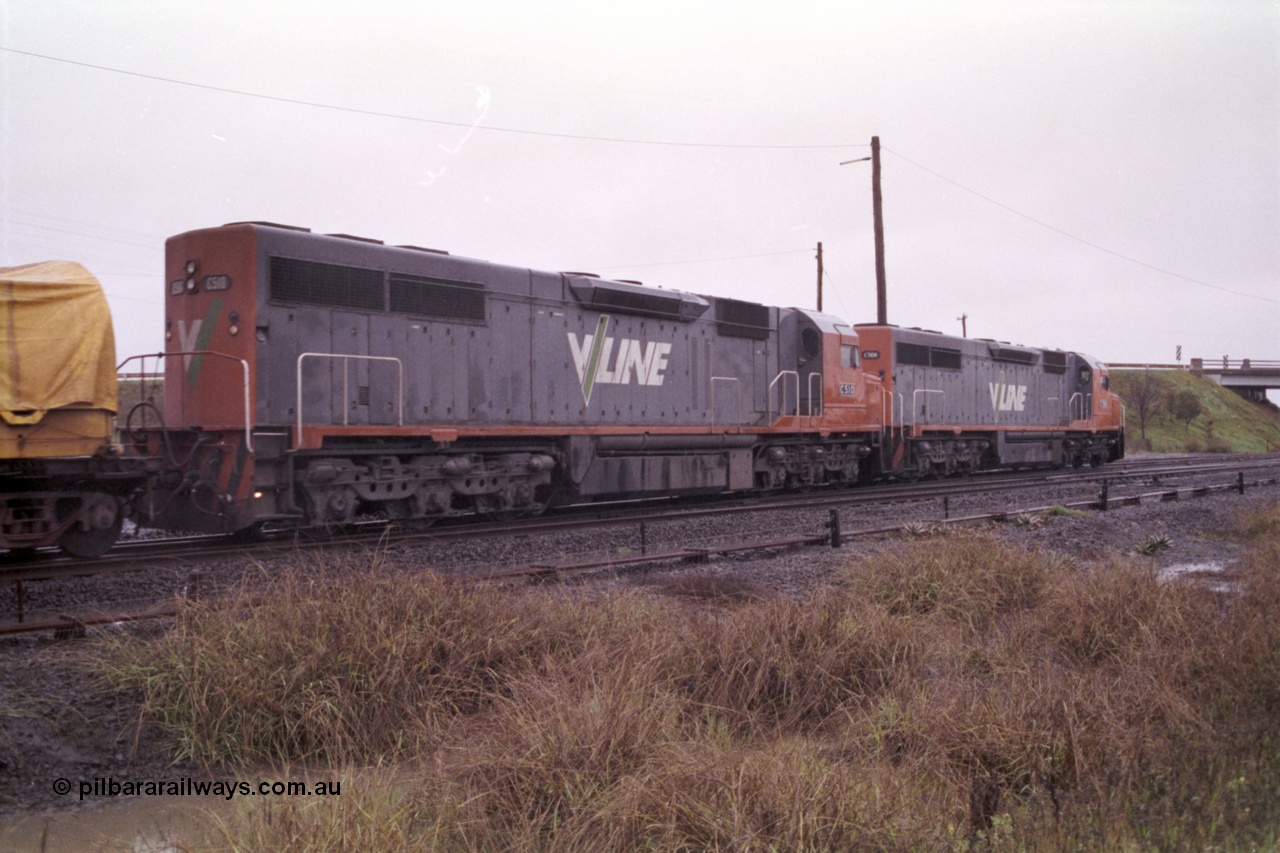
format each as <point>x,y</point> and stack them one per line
<point>1152,544</point>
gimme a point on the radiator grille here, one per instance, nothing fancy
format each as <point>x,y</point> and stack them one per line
<point>912,354</point>
<point>434,297</point>
<point>314,283</point>
<point>742,319</point>
<point>927,356</point>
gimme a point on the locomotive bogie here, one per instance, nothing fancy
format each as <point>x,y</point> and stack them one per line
<point>808,464</point>
<point>337,490</point>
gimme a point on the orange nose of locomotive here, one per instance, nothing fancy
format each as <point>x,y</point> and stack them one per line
<point>209,318</point>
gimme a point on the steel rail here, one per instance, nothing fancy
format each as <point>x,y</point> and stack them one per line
<point>139,555</point>
<point>70,624</point>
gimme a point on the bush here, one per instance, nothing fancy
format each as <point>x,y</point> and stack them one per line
<point>945,694</point>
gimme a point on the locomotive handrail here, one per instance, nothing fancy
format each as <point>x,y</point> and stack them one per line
<point>248,435</point>
<point>813,376</point>
<point>915,395</point>
<point>346,359</point>
<point>737,399</point>
<point>1086,404</point>
<point>887,420</point>
<point>782,397</point>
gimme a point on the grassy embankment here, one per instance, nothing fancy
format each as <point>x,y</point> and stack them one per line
<point>954,694</point>
<point>1227,423</point>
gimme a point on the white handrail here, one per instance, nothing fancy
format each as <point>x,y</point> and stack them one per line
<point>346,359</point>
<point>248,435</point>
<point>915,396</point>
<point>812,414</point>
<point>782,400</point>
<point>1086,403</point>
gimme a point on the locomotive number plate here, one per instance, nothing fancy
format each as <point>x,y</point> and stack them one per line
<point>848,389</point>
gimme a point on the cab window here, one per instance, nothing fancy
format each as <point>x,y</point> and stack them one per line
<point>848,356</point>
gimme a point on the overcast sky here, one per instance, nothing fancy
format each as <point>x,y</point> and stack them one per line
<point>1093,176</point>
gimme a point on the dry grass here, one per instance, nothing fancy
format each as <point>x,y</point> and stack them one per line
<point>947,694</point>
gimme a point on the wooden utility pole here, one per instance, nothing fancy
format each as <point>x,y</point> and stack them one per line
<point>819,277</point>
<point>964,325</point>
<point>882,311</point>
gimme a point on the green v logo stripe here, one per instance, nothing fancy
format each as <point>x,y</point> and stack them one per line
<point>202,341</point>
<point>593,360</point>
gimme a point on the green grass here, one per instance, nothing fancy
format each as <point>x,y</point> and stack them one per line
<point>1227,422</point>
<point>950,693</point>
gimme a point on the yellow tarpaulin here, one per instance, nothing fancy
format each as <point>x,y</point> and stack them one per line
<point>57,349</point>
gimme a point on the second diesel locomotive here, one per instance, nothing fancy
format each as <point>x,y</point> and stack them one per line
<point>311,379</point>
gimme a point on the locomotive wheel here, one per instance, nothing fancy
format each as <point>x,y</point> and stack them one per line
<point>103,518</point>
<point>488,506</point>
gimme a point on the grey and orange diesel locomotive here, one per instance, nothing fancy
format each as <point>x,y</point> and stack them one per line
<point>312,379</point>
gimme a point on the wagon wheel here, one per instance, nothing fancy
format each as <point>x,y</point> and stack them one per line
<point>97,529</point>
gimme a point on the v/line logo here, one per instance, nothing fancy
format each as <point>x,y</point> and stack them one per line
<point>195,338</point>
<point>1008,398</point>
<point>635,360</point>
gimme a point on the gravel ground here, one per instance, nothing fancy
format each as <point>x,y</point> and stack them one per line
<point>55,723</point>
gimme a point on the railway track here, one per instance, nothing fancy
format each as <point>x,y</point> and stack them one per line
<point>1128,482</point>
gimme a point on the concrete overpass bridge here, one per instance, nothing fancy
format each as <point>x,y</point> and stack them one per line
<point>1248,377</point>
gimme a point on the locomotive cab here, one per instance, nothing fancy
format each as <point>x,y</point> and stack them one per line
<point>1095,412</point>
<point>828,379</point>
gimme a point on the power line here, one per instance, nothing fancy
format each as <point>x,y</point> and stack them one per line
<point>832,289</point>
<point>419,119</point>
<point>1071,236</point>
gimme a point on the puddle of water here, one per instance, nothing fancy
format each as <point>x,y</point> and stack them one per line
<point>150,825</point>
<point>1202,572</point>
